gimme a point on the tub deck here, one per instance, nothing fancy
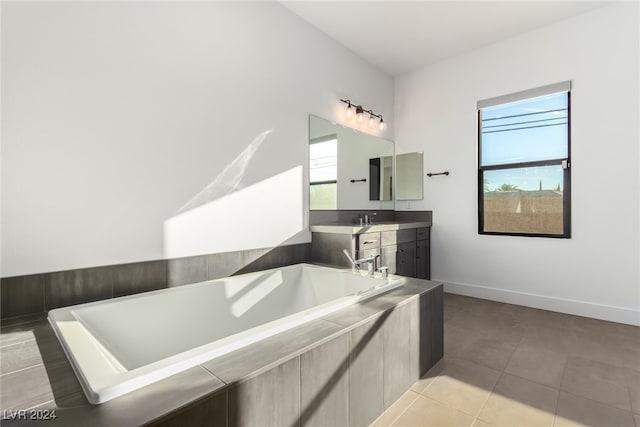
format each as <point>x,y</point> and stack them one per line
<point>37,375</point>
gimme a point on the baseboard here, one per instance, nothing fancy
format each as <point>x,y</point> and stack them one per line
<point>562,305</point>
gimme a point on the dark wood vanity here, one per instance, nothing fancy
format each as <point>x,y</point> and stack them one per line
<point>402,245</point>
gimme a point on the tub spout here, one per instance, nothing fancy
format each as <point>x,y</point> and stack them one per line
<point>355,266</point>
<point>370,261</point>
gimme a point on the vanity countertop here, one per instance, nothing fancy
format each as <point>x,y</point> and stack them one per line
<point>344,228</point>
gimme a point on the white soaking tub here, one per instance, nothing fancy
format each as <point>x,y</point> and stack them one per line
<point>119,345</point>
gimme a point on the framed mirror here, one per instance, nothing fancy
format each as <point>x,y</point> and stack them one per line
<point>340,168</point>
<point>409,176</point>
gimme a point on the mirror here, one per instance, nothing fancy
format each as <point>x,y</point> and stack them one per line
<point>340,168</point>
<point>381,178</point>
<point>409,177</point>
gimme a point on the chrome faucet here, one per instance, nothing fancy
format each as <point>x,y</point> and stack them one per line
<point>356,267</point>
<point>367,218</point>
<point>370,261</point>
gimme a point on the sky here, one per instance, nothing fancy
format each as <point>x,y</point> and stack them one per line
<point>529,130</point>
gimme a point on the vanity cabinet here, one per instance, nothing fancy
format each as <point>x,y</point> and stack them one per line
<point>405,251</point>
<point>399,251</point>
<point>423,259</point>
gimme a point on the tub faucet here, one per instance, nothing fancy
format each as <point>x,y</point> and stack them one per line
<point>370,261</point>
<point>356,267</point>
<point>371,264</point>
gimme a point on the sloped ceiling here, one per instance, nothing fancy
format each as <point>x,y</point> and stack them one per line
<point>400,36</point>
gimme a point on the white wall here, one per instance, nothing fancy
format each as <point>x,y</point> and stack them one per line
<point>116,115</point>
<point>596,272</point>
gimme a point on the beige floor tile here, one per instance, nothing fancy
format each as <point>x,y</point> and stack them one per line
<point>519,402</point>
<point>425,412</point>
<point>537,364</point>
<point>489,352</point>
<point>482,307</point>
<point>630,353</point>
<point>507,329</point>
<point>395,410</point>
<point>424,382</point>
<point>629,333</point>
<point>463,385</point>
<point>596,326</point>
<point>458,301</point>
<point>633,382</point>
<point>466,320</point>
<point>448,313</point>
<point>456,339</point>
<point>480,423</point>
<point>576,411</point>
<point>602,348</point>
<point>595,380</point>
<point>518,313</point>
<point>590,360</point>
<point>553,339</point>
<point>551,319</point>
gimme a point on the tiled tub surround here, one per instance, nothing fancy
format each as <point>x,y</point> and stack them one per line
<point>343,369</point>
<point>38,293</point>
<point>114,346</point>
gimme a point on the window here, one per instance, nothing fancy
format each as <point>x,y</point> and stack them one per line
<point>524,163</point>
<point>323,173</point>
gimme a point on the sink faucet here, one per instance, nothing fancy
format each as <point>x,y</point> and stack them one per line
<point>367,218</point>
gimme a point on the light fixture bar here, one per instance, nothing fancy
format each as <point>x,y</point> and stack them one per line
<point>360,113</point>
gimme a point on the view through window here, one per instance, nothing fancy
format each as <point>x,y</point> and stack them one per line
<point>323,174</point>
<point>523,164</point>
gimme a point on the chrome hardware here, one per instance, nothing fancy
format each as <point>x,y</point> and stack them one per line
<point>384,271</point>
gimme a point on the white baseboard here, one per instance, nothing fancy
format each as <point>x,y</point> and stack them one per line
<point>579,308</point>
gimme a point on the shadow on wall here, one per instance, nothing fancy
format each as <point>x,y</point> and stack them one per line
<point>225,217</point>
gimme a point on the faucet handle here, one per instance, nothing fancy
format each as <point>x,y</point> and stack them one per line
<point>384,271</point>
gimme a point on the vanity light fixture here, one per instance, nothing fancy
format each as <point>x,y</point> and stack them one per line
<point>349,111</point>
<point>360,112</point>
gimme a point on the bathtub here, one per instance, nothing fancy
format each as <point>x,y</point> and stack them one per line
<point>119,345</point>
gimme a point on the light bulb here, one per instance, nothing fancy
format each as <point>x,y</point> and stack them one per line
<point>372,121</point>
<point>349,112</point>
<point>381,125</point>
<point>361,117</point>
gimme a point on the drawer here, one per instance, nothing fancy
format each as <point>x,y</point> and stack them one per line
<point>398,236</point>
<point>367,253</point>
<point>422,233</point>
<point>368,241</point>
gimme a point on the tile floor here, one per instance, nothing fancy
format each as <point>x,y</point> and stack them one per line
<point>514,366</point>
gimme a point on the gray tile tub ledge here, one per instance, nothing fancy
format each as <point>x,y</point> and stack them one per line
<point>343,369</point>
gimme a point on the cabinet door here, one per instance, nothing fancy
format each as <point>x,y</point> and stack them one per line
<point>406,264</point>
<point>389,258</point>
<point>422,259</point>
<point>367,253</point>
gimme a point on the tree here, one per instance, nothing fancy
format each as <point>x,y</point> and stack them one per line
<point>508,187</point>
